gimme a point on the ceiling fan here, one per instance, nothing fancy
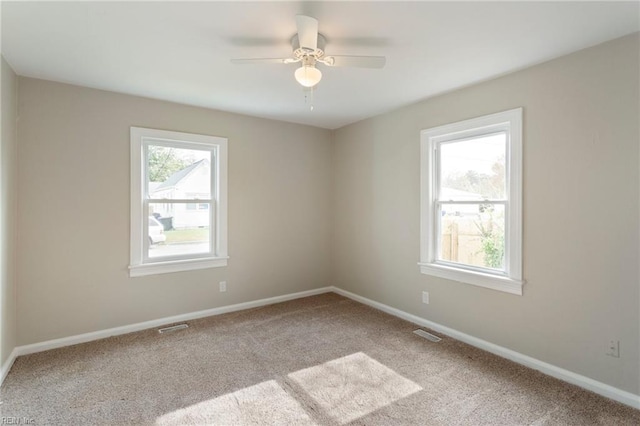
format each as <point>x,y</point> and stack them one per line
<point>308,50</point>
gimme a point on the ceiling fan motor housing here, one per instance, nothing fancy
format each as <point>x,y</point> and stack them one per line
<point>300,52</point>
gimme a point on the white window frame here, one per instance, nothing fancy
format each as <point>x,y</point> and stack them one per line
<point>510,122</point>
<point>140,263</point>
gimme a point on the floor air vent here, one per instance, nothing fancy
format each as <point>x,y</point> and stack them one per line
<point>427,336</point>
<point>172,328</point>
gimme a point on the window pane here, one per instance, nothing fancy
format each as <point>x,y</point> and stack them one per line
<point>473,169</point>
<point>473,234</point>
<point>184,231</point>
<point>176,173</point>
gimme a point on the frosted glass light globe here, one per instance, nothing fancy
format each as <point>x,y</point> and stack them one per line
<point>308,76</point>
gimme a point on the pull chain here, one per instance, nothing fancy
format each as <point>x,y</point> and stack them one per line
<point>308,98</point>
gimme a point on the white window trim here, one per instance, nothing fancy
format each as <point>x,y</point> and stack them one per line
<point>139,266</point>
<point>511,281</point>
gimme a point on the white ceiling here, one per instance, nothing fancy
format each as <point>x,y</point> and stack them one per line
<point>180,51</point>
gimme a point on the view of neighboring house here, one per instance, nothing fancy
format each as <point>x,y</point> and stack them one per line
<point>192,183</point>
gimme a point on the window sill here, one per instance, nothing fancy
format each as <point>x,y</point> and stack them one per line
<point>494,282</point>
<point>176,266</point>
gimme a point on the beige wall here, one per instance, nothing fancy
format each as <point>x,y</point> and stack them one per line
<point>8,210</point>
<point>74,211</point>
<point>581,216</point>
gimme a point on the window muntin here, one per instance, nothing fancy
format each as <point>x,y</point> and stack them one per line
<point>170,171</point>
<point>471,201</point>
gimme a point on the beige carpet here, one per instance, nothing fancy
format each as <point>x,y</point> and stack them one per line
<point>322,360</point>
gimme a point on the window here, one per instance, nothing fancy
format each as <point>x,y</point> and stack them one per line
<point>471,201</point>
<point>178,202</point>
<point>198,206</point>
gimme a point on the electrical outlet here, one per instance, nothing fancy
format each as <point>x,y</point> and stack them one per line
<point>425,297</point>
<point>614,349</point>
<point>223,286</point>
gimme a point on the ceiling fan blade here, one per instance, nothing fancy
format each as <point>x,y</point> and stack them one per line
<point>262,61</point>
<point>356,61</point>
<point>307,31</point>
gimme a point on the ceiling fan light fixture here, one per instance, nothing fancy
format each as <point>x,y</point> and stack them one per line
<point>308,75</point>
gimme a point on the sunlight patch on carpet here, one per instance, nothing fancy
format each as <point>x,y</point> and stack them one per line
<point>264,403</point>
<point>353,386</point>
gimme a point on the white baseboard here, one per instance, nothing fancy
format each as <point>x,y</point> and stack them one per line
<point>102,334</point>
<point>549,369</point>
<point>600,388</point>
<point>4,368</point>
